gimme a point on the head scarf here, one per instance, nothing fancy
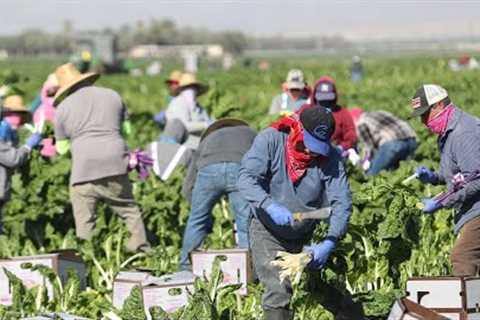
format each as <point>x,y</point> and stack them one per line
<point>297,161</point>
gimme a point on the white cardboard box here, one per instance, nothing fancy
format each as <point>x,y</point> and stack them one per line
<point>457,298</point>
<point>168,292</point>
<point>59,261</point>
<point>404,309</point>
<point>236,266</point>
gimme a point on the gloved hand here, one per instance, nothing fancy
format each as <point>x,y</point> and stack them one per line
<point>279,214</point>
<point>34,140</point>
<point>353,156</point>
<point>431,205</point>
<point>160,118</point>
<point>426,175</point>
<point>320,253</point>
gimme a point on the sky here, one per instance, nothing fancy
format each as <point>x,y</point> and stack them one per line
<point>354,19</point>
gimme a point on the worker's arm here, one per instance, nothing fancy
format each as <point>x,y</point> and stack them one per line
<point>467,155</point>
<point>62,144</point>
<point>253,179</point>
<point>349,134</point>
<point>339,196</point>
<point>11,157</point>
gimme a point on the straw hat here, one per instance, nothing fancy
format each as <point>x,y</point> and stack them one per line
<point>14,104</point>
<point>175,76</point>
<point>188,80</point>
<point>223,123</point>
<point>68,77</point>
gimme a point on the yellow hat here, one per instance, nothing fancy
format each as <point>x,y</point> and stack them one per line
<point>68,77</point>
<point>188,80</point>
<point>14,104</point>
<point>175,76</point>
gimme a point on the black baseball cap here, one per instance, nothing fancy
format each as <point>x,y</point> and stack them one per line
<point>318,124</point>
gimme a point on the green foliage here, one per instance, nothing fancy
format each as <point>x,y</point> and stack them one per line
<point>388,239</point>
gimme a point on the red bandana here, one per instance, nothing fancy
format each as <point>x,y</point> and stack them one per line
<point>297,161</point>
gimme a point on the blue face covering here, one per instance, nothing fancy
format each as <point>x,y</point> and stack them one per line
<point>7,133</point>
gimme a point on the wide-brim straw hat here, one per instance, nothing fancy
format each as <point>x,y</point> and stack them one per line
<point>68,78</point>
<point>223,123</point>
<point>174,76</point>
<point>188,80</point>
<point>15,103</point>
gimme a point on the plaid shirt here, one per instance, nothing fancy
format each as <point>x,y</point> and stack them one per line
<point>378,127</point>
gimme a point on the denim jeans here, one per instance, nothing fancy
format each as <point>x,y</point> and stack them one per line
<point>213,182</point>
<point>390,154</point>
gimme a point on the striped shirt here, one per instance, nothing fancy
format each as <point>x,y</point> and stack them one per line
<point>378,127</point>
<point>460,153</point>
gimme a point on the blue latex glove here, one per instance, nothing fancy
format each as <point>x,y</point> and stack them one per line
<point>279,214</point>
<point>160,118</point>
<point>426,175</point>
<point>431,205</point>
<point>320,253</point>
<point>34,140</point>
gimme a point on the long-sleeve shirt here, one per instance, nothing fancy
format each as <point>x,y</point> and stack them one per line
<point>263,179</point>
<point>345,134</point>
<point>194,117</point>
<point>10,158</point>
<point>378,127</point>
<point>460,152</point>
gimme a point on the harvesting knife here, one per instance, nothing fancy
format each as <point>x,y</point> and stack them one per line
<point>319,214</point>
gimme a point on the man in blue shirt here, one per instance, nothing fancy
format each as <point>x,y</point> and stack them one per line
<point>291,167</point>
<point>459,144</point>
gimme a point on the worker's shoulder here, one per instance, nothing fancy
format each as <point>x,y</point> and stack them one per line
<point>271,136</point>
<point>96,90</point>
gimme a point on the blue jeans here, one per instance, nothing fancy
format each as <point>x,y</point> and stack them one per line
<point>213,181</point>
<point>390,154</point>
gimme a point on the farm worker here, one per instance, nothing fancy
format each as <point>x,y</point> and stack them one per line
<point>291,167</point>
<point>172,85</point>
<point>325,94</point>
<point>295,94</point>
<point>90,120</point>
<point>356,69</point>
<point>385,139</point>
<point>212,174</point>
<point>185,107</point>
<point>14,114</point>
<point>459,144</point>
<point>45,113</point>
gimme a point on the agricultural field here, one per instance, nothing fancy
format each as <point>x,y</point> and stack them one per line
<point>388,241</point>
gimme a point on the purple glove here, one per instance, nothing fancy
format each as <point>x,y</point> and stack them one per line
<point>426,175</point>
<point>431,205</point>
<point>320,253</point>
<point>141,162</point>
<point>279,214</point>
<point>34,140</point>
<point>160,118</point>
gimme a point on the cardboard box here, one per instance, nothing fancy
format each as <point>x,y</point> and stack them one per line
<point>236,266</point>
<point>405,309</point>
<point>60,262</point>
<point>457,298</point>
<point>170,292</point>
